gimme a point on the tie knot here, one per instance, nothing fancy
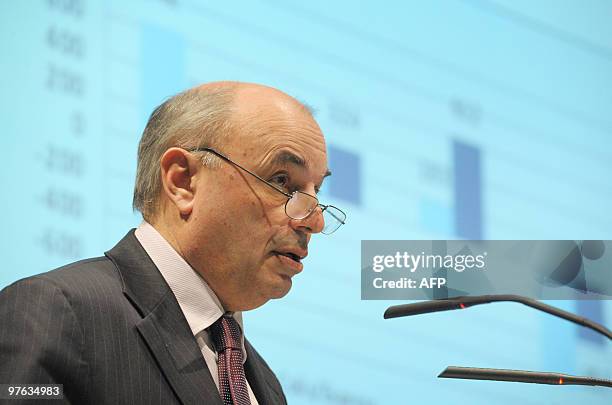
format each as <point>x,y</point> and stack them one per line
<point>225,333</point>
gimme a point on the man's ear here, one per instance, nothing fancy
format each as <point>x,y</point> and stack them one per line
<point>178,179</point>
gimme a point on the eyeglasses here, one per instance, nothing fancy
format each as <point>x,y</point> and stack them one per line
<point>299,205</point>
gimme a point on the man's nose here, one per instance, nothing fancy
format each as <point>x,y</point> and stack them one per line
<point>313,223</point>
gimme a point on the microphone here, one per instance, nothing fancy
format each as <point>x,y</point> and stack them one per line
<point>495,374</point>
<point>473,373</point>
<point>448,304</point>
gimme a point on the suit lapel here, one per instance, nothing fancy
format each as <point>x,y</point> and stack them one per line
<point>178,354</point>
<point>163,327</point>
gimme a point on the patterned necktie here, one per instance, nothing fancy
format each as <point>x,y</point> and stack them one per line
<point>225,334</point>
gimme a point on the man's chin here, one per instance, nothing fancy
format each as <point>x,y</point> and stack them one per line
<point>275,281</point>
<point>276,285</point>
<point>282,288</point>
<point>278,290</point>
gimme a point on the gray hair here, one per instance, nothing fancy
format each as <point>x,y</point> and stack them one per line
<point>193,118</point>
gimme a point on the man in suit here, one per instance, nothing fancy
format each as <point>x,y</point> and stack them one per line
<point>226,182</point>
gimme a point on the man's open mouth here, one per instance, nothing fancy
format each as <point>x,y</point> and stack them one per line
<point>292,256</point>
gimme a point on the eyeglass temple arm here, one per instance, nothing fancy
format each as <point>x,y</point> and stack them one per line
<point>222,156</point>
<point>324,207</point>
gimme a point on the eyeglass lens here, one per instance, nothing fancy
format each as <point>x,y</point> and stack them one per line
<point>300,205</point>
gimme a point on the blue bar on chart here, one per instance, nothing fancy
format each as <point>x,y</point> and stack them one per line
<point>467,190</point>
<point>345,183</point>
<point>593,310</point>
<point>163,61</point>
<point>558,337</point>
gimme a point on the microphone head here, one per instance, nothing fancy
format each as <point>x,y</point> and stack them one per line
<point>422,308</point>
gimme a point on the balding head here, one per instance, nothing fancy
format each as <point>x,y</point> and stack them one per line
<point>206,115</point>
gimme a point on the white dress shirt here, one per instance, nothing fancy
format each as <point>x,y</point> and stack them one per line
<point>197,300</point>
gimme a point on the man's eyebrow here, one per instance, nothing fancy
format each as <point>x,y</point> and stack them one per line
<point>286,157</point>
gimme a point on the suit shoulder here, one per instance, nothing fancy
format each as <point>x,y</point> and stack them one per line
<point>83,270</point>
<point>77,278</point>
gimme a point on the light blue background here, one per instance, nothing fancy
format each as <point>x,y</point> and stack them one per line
<point>444,119</point>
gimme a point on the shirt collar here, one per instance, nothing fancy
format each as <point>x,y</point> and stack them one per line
<point>197,300</point>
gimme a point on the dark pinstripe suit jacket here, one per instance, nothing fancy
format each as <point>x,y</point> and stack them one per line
<point>111,331</point>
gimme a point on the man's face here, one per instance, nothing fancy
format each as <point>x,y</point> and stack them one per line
<point>242,237</point>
